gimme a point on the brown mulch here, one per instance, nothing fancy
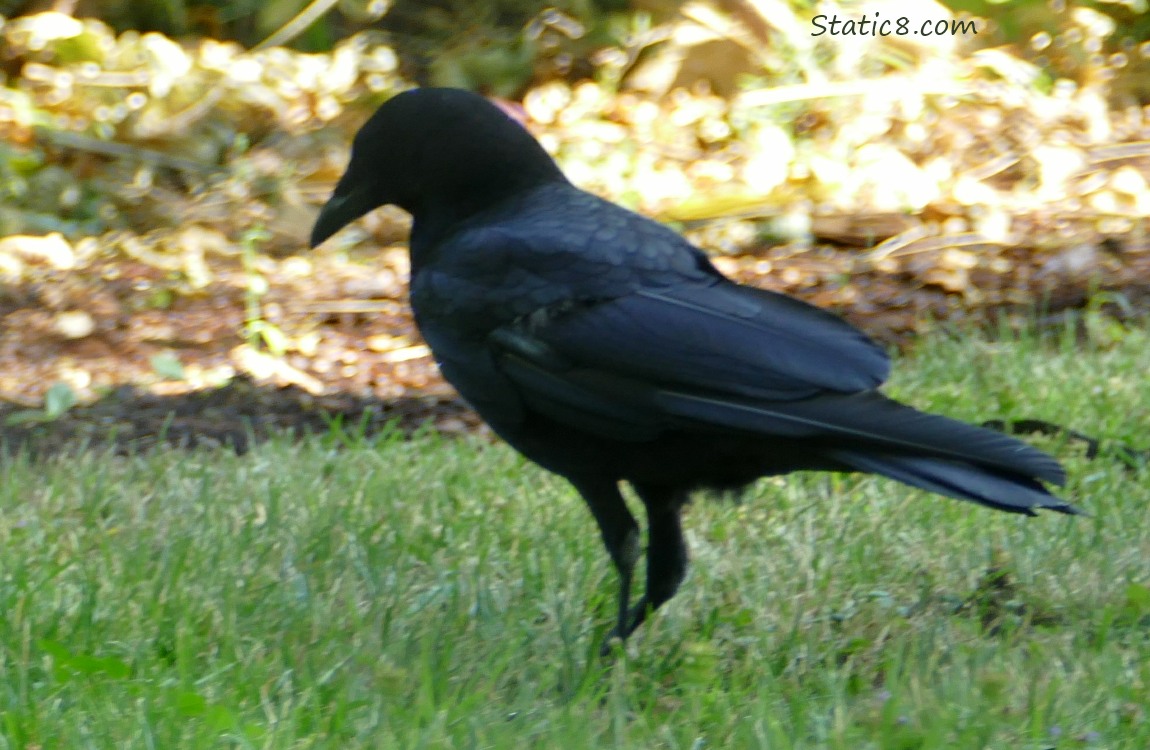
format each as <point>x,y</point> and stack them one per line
<point>355,363</point>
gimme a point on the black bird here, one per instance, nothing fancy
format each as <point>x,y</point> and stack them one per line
<point>605,347</point>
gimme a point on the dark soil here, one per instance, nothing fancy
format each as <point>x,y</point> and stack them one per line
<point>234,416</point>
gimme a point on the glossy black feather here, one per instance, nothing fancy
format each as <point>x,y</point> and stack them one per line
<point>606,348</point>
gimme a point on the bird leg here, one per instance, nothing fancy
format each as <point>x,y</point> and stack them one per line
<point>666,551</point>
<point>621,538</point>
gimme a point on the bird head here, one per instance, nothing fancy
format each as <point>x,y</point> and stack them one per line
<point>440,154</point>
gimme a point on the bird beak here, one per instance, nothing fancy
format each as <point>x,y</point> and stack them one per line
<point>345,206</point>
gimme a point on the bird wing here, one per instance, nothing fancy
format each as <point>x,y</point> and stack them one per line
<point>728,357</point>
<point>719,337</point>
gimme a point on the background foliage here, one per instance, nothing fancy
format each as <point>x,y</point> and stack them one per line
<point>160,165</point>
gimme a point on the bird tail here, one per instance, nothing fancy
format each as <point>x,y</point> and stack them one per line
<point>996,488</point>
<point>871,433</point>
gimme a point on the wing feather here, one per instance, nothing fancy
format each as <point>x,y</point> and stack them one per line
<point>722,337</point>
<point>727,357</point>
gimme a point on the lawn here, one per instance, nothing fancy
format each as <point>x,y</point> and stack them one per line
<point>432,592</point>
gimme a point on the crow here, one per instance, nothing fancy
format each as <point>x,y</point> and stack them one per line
<point>606,348</point>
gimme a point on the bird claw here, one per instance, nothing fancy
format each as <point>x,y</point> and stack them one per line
<point>613,643</point>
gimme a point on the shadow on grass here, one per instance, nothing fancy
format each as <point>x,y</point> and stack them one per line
<point>236,415</point>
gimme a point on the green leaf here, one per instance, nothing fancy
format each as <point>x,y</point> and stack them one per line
<point>168,366</point>
<point>69,664</point>
<point>274,339</point>
<point>220,718</point>
<point>58,400</point>
<point>26,416</point>
<point>109,666</point>
<point>1138,597</point>
<point>55,649</point>
<point>190,703</point>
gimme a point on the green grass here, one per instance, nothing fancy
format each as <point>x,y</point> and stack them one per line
<point>444,593</point>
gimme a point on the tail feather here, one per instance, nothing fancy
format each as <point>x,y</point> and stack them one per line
<point>872,420</point>
<point>1004,490</point>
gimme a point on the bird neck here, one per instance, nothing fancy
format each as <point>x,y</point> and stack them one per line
<point>444,211</point>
